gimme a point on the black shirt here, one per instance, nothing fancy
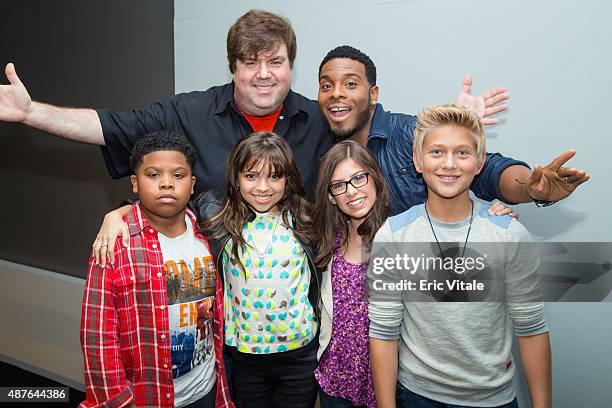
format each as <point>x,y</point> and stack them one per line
<point>213,124</point>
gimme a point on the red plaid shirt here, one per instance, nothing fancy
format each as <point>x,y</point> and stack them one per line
<point>125,334</point>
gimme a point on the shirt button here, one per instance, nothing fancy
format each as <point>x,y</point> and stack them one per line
<point>165,365</point>
<point>132,278</point>
<point>162,307</point>
<point>281,117</point>
<point>151,230</point>
<point>159,275</point>
<point>163,336</point>
<point>167,395</point>
<point>404,170</point>
<point>154,246</point>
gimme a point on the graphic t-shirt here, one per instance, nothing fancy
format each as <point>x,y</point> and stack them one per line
<point>190,284</point>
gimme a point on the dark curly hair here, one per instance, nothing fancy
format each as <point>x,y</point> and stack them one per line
<point>158,141</point>
<point>346,51</point>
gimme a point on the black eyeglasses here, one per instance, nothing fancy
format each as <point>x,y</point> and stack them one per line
<point>339,187</point>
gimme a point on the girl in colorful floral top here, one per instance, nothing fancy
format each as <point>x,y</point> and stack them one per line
<point>351,205</point>
<point>263,232</point>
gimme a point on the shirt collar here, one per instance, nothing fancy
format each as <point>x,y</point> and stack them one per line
<point>380,123</point>
<point>137,222</point>
<point>291,104</point>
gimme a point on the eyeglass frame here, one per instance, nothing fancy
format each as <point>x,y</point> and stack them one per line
<point>346,183</point>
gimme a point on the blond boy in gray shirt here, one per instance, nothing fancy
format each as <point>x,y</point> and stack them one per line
<point>455,329</point>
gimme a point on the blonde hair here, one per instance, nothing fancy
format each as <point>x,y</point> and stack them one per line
<point>435,117</point>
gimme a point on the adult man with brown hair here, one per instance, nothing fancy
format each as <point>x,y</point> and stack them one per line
<point>261,49</point>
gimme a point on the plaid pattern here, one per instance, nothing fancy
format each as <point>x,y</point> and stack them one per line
<point>125,334</point>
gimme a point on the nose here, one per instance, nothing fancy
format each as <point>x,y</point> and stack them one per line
<point>449,161</point>
<point>351,190</point>
<point>338,91</point>
<point>166,181</point>
<point>262,184</point>
<point>262,70</point>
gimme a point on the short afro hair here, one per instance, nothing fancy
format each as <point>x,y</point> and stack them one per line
<point>346,51</point>
<point>160,141</point>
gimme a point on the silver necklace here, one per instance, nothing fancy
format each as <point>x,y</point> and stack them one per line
<point>262,255</point>
<point>466,237</point>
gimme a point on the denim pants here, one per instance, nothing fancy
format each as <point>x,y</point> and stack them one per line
<point>407,399</point>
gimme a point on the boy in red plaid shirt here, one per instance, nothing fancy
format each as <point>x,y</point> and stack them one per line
<point>151,324</point>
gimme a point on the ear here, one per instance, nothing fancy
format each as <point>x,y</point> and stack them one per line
<point>482,162</point>
<point>134,182</point>
<point>417,165</point>
<point>374,91</point>
<point>193,180</point>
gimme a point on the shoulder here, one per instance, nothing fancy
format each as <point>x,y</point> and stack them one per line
<point>502,222</point>
<point>302,102</point>
<point>404,220</point>
<point>512,228</point>
<point>214,97</point>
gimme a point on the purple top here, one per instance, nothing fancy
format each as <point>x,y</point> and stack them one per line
<point>344,370</point>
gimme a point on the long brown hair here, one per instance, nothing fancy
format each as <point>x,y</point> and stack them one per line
<point>269,149</point>
<point>328,219</point>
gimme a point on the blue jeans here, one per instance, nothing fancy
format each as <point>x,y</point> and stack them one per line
<point>407,399</point>
<point>327,401</point>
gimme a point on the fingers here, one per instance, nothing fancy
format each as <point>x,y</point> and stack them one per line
<point>535,175</point>
<point>466,87</point>
<point>572,177</point>
<point>499,209</point>
<point>561,160</point>
<point>99,251</point>
<point>11,74</point>
<point>495,96</point>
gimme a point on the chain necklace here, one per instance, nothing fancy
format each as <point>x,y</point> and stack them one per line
<point>436,237</point>
<point>262,254</point>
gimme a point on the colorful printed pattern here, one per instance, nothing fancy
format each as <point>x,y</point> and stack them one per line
<point>266,305</point>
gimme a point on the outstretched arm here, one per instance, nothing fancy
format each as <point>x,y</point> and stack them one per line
<point>553,182</point>
<point>80,125</point>
<point>484,105</point>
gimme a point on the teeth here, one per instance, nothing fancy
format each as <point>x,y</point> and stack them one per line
<point>339,109</point>
<point>356,202</point>
<point>263,198</point>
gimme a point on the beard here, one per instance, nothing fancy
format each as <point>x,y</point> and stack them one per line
<point>361,120</point>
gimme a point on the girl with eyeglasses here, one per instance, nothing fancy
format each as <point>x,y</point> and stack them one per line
<point>351,205</point>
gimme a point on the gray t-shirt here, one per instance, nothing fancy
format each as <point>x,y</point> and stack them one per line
<point>459,352</point>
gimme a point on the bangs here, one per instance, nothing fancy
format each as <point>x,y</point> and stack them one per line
<point>272,161</point>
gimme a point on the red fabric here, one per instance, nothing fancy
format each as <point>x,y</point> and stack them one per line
<point>263,123</point>
<point>125,334</point>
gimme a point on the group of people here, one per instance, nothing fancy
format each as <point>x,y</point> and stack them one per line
<point>258,210</point>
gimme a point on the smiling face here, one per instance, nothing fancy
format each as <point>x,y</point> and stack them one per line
<point>164,184</point>
<point>345,98</point>
<point>261,187</point>
<point>449,162</point>
<point>262,83</point>
<point>356,202</point>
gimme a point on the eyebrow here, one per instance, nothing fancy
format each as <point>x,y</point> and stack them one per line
<point>350,177</point>
<point>345,76</point>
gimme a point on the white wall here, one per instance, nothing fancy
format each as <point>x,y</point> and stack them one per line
<point>553,56</point>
